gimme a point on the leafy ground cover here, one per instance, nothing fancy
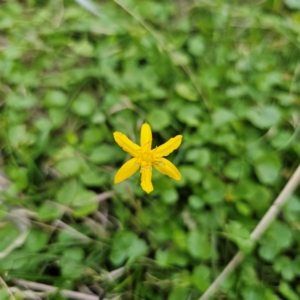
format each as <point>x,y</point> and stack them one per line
<point>224,74</point>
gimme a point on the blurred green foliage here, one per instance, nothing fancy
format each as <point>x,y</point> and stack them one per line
<point>224,74</point>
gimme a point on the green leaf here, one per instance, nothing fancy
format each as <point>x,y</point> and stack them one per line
<point>282,234</point>
<point>104,154</point>
<point>263,194</point>
<point>67,192</point>
<point>70,263</point>
<point>159,119</point>
<point>264,117</point>
<point>84,105</point>
<point>85,209</point>
<point>195,202</point>
<point>281,139</point>
<point>93,135</point>
<point>292,208</point>
<point>161,256</point>
<point>49,211</point>
<point>70,166</point>
<point>5,294</point>
<point>196,45</point>
<point>36,240</point>
<point>287,291</point>
<point>55,98</point>
<point>83,48</point>
<point>19,136</point>
<point>20,102</point>
<point>179,293</point>
<point>285,266</point>
<point>199,245</point>
<point>180,58</point>
<point>75,253</point>
<point>91,178</point>
<point>236,169</point>
<point>240,235</point>
<point>17,260</point>
<point>201,277</point>
<point>19,176</point>
<point>200,157</point>
<point>170,196</point>
<point>126,245</point>
<point>190,174</point>
<point>292,4</point>
<point>250,293</point>
<point>180,239</point>
<point>83,197</point>
<point>137,248</point>
<point>222,116</point>
<point>243,208</point>
<point>8,234</point>
<point>98,117</point>
<point>190,114</point>
<point>44,125</point>
<point>269,250</point>
<point>285,99</point>
<point>214,196</point>
<point>186,91</point>
<point>267,168</point>
<point>57,116</point>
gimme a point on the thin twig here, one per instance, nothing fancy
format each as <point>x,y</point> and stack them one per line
<point>2,282</point>
<point>51,289</point>
<point>15,244</point>
<point>262,226</point>
<point>113,275</point>
<point>90,6</point>
<point>104,196</point>
<point>60,224</point>
<point>28,294</point>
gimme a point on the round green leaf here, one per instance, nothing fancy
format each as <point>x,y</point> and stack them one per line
<point>222,116</point>
<point>170,196</point>
<point>190,174</point>
<point>196,45</point>
<point>292,4</point>
<point>186,91</point>
<point>84,105</point>
<point>190,114</point>
<point>159,119</point>
<point>55,98</point>
<point>195,202</point>
<point>199,245</point>
<point>264,117</point>
<point>104,154</point>
<point>201,277</point>
<point>200,157</point>
<point>267,168</point>
<point>36,240</point>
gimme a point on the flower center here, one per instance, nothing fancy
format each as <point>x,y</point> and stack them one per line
<point>147,156</point>
<point>145,159</point>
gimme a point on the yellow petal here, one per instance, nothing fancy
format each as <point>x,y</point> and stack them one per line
<point>167,168</point>
<point>128,169</point>
<point>146,137</point>
<point>146,180</point>
<point>126,144</point>
<point>168,147</point>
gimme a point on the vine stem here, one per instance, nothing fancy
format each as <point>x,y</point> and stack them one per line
<point>51,289</point>
<point>259,230</point>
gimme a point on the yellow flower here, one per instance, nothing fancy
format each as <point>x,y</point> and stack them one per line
<point>145,158</point>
